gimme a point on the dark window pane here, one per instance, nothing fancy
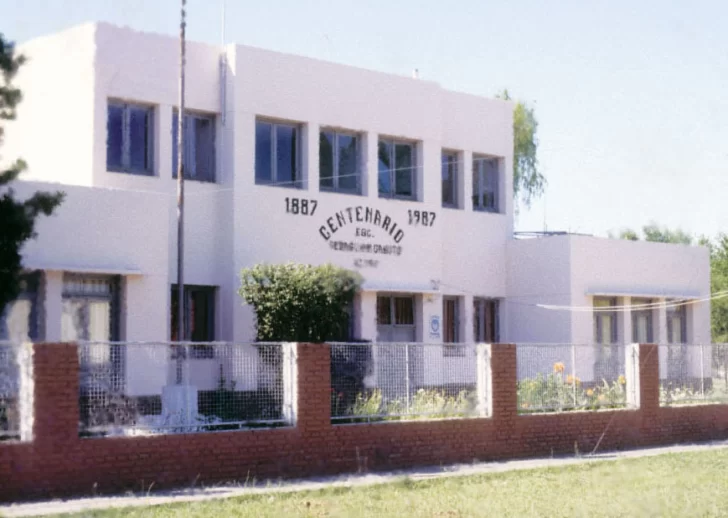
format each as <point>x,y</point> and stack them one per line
<point>450,318</point>
<point>404,164</point>
<point>175,122</point>
<point>384,311</point>
<point>449,171</point>
<point>139,134</point>
<point>385,167</point>
<point>204,141</point>
<point>490,195</point>
<point>200,316</point>
<point>114,137</point>
<point>286,155</point>
<point>263,152</point>
<point>404,314</point>
<point>346,145</point>
<point>326,159</point>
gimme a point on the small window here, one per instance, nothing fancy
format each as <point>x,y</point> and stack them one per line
<point>20,320</point>
<point>199,134</point>
<point>277,154</point>
<point>485,184</point>
<point>449,179</point>
<point>397,169</point>
<point>129,138</point>
<point>642,327</point>
<point>677,323</point>
<point>605,321</point>
<point>485,321</point>
<point>339,162</point>
<point>451,326</point>
<point>199,311</point>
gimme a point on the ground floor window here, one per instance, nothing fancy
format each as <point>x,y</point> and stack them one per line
<point>605,320</point>
<point>451,326</point>
<point>677,323</point>
<point>396,318</point>
<point>199,318</point>
<point>485,321</point>
<point>20,320</point>
<point>642,326</point>
<point>90,308</point>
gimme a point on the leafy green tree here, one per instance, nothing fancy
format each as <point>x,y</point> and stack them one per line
<point>719,283</point>
<point>300,303</point>
<point>657,234</point>
<point>528,181</point>
<point>17,217</point>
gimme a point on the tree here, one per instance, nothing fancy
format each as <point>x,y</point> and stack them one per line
<point>528,182</point>
<point>300,303</point>
<point>657,234</point>
<point>18,217</point>
<point>719,283</point>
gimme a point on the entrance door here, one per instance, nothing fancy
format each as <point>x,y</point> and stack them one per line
<point>395,318</point>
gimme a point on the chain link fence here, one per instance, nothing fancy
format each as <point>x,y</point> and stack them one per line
<point>693,374</point>
<point>564,377</point>
<point>161,388</point>
<point>399,381</point>
<point>16,391</point>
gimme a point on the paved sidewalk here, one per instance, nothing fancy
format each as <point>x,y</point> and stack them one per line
<point>197,494</point>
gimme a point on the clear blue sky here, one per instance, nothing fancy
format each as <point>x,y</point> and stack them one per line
<point>632,97</point>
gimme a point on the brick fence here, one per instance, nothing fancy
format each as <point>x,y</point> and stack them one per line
<point>59,463</point>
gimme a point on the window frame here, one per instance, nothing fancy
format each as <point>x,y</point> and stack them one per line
<point>191,115</point>
<point>455,180</point>
<point>598,324</point>
<point>480,308</point>
<point>479,184</point>
<point>393,170</point>
<point>335,157</point>
<point>125,166</point>
<point>677,312</point>
<point>649,313</point>
<point>198,352</point>
<point>31,290</point>
<point>298,181</point>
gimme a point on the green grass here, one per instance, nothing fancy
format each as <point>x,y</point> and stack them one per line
<point>679,485</point>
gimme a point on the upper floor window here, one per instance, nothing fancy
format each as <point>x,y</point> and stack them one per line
<point>397,169</point>
<point>199,135</point>
<point>677,324</point>
<point>277,154</point>
<point>129,138</point>
<point>449,179</point>
<point>605,320</point>
<point>485,321</point>
<point>485,184</point>
<point>339,162</point>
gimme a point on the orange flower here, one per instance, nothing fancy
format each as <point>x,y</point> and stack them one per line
<point>524,405</point>
<point>621,380</point>
<point>590,392</point>
<point>559,367</point>
<point>602,397</point>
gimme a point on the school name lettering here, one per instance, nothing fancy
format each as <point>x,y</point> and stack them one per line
<point>355,215</point>
<point>365,248</point>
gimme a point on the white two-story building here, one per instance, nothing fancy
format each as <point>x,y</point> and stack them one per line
<point>294,159</point>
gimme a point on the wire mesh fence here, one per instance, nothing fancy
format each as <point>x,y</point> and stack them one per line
<point>563,377</point>
<point>399,381</point>
<point>160,388</point>
<point>15,390</point>
<point>693,374</point>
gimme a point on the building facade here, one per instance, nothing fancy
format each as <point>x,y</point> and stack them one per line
<point>294,159</point>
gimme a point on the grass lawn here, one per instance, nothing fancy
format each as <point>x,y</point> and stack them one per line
<point>684,484</point>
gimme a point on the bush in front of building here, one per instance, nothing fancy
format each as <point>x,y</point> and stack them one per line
<point>300,303</point>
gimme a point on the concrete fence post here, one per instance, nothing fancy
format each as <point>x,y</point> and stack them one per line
<point>290,382</point>
<point>26,396</point>
<point>483,381</point>
<point>632,374</point>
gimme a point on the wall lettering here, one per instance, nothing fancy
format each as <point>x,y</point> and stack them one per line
<point>301,206</point>
<point>362,215</point>
<point>422,217</point>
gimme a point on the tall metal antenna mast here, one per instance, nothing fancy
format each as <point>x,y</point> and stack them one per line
<point>181,193</point>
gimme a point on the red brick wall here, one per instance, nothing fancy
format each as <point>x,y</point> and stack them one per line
<point>59,463</point>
